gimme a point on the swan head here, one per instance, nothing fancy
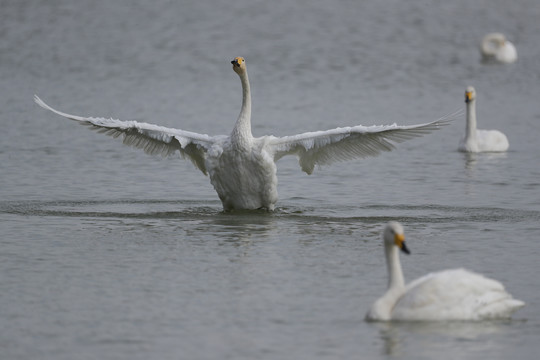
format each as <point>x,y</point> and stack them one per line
<point>393,235</point>
<point>498,39</point>
<point>239,65</point>
<point>492,42</point>
<point>470,94</point>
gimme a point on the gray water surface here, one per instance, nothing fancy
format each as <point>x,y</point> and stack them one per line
<point>108,253</point>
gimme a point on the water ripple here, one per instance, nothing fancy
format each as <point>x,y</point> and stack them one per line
<point>181,209</point>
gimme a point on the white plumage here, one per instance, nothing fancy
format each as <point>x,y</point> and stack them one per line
<point>477,140</point>
<point>456,294</point>
<point>242,168</point>
<point>495,48</point>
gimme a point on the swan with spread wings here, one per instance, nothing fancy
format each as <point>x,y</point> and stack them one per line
<point>242,168</point>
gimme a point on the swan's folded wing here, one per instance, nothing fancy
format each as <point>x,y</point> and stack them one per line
<point>455,294</point>
<point>341,144</point>
<point>153,139</point>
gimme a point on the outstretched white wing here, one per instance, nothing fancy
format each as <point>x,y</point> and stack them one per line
<point>341,144</point>
<point>153,139</point>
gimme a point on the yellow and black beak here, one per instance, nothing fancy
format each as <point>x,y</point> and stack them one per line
<point>237,61</point>
<point>399,240</point>
<point>468,96</point>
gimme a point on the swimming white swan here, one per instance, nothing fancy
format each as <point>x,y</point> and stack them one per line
<point>242,168</point>
<point>496,48</point>
<point>455,294</point>
<point>477,140</point>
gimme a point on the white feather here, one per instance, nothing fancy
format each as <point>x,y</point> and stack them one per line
<point>477,140</point>
<point>495,48</point>
<point>456,294</point>
<point>153,139</point>
<point>242,168</point>
<point>342,144</point>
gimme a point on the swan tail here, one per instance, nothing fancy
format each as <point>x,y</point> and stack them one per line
<point>500,309</point>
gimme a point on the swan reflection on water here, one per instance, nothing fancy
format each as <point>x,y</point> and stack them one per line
<point>472,160</point>
<point>427,337</point>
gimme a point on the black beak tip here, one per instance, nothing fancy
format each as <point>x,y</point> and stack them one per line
<point>405,249</point>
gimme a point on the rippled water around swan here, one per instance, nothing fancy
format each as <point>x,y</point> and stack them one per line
<point>108,253</point>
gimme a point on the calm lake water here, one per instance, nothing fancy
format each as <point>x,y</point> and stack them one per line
<point>107,253</point>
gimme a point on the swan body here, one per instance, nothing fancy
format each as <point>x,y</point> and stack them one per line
<point>241,167</point>
<point>477,140</point>
<point>496,48</point>
<point>456,294</point>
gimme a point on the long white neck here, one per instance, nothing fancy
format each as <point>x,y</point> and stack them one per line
<point>470,130</point>
<point>396,281</point>
<point>241,134</point>
<point>382,308</point>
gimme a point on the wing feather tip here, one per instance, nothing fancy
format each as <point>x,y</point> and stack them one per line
<point>41,103</point>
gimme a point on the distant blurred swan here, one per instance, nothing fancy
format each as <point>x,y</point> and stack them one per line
<point>455,294</point>
<point>242,168</point>
<point>496,48</point>
<point>477,140</point>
